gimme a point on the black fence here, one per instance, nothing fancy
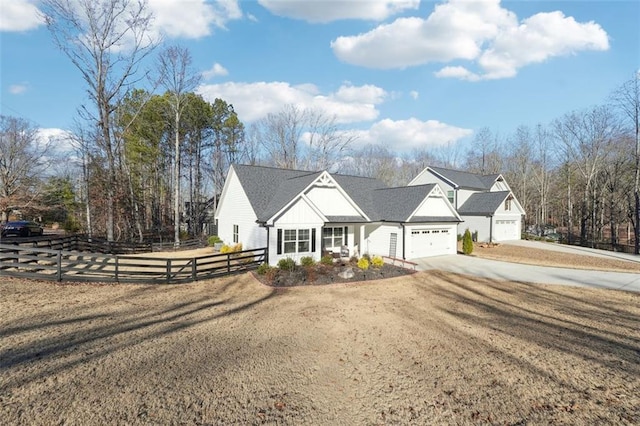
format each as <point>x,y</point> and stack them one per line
<point>75,258</point>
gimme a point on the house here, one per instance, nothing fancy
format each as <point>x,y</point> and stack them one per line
<point>485,203</point>
<point>299,213</point>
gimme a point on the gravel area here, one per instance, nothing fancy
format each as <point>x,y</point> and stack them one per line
<point>427,348</point>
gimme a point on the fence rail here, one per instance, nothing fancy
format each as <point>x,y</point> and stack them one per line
<point>66,265</point>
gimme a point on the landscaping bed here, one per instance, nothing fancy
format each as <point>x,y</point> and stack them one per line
<point>321,274</point>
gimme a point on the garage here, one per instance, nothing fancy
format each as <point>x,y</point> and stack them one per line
<point>432,242</point>
<point>506,230</point>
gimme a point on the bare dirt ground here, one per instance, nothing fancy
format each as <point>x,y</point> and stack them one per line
<point>427,348</point>
<point>517,254</point>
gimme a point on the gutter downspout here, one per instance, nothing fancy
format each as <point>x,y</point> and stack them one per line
<point>403,241</point>
<point>491,228</point>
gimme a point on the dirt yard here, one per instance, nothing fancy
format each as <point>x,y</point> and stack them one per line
<point>427,348</point>
<point>517,254</point>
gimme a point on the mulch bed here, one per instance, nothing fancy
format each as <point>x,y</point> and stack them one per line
<point>320,274</point>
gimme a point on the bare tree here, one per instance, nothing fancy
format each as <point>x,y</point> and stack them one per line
<point>177,77</point>
<point>484,156</point>
<point>106,40</point>
<point>586,138</point>
<point>627,99</point>
<point>281,134</point>
<point>325,142</point>
<point>22,161</point>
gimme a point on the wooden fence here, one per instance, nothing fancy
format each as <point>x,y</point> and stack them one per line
<point>63,264</point>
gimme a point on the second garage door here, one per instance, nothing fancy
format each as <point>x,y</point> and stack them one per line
<point>432,242</point>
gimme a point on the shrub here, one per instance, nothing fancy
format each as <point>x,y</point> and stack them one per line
<point>467,242</point>
<point>231,249</point>
<point>213,239</point>
<point>287,264</point>
<point>366,256</point>
<point>263,268</point>
<point>327,260</point>
<point>459,237</point>
<point>377,262</point>
<point>363,263</point>
<point>307,261</point>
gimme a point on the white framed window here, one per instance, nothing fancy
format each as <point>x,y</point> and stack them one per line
<point>507,204</point>
<point>296,241</point>
<point>332,238</point>
<point>235,234</point>
<point>450,196</point>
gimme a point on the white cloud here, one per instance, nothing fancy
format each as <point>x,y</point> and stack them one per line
<point>253,101</point>
<point>192,18</point>
<point>405,135</point>
<point>19,15</point>
<point>414,94</point>
<point>483,33</point>
<point>18,89</point>
<point>215,71</point>
<point>316,11</point>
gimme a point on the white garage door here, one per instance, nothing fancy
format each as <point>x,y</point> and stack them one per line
<point>506,230</point>
<point>431,242</point>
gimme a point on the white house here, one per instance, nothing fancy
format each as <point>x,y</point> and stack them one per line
<point>484,202</point>
<point>299,213</point>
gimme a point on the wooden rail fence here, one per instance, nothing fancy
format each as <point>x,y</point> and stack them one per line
<point>61,261</point>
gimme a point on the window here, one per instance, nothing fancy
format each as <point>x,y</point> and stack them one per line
<point>332,238</point>
<point>450,196</point>
<point>296,241</point>
<point>235,234</point>
<point>507,204</point>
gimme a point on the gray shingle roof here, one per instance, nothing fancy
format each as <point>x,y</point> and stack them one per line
<point>397,204</point>
<point>483,203</point>
<point>269,189</point>
<point>466,179</point>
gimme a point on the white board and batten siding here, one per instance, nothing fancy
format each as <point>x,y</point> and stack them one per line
<point>237,210</point>
<point>300,215</point>
<point>331,202</point>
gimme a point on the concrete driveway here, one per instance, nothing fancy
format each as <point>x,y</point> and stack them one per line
<point>498,270</point>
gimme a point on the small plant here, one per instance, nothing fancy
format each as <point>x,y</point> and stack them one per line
<point>287,264</point>
<point>467,242</point>
<point>366,256</point>
<point>377,262</point>
<point>231,249</point>
<point>213,239</point>
<point>363,263</point>
<point>307,261</point>
<point>263,269</point>
<point>327,260</point>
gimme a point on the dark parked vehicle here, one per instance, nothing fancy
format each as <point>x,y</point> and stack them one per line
<point>21,228</point>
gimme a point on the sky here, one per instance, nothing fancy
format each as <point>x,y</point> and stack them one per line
<point>406,74</point>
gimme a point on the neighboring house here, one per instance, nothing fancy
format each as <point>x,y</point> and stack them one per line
<point>299,213</point>
<point>484,202</point>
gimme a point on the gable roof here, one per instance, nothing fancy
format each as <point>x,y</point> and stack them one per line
<point>466,179</point>
<point>483,203</point>
<point>397,204</point>
<point>270,189</point>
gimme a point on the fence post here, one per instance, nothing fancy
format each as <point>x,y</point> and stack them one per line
<point>194,269</point>
<point>116,270</point>
<point>168,271</point>
<point>59,265</point>
<point>228,263</point>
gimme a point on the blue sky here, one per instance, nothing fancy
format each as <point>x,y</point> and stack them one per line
<point>403,73</point>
